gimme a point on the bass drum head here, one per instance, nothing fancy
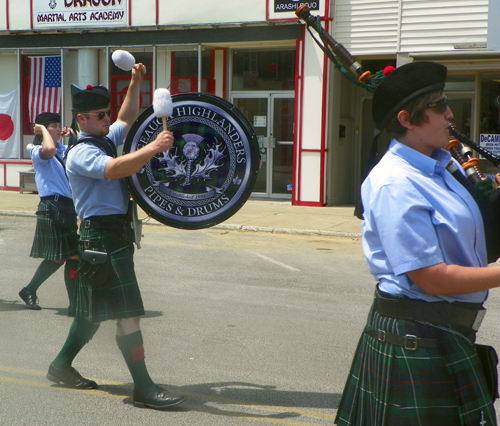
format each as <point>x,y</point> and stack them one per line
<point>210,171</point>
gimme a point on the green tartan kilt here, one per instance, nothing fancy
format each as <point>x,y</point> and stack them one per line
<point>56,235</point>
<point>120,296</point>
<point>389,385</point>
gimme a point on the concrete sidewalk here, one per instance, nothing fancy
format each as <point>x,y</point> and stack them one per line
<point>256,215</point>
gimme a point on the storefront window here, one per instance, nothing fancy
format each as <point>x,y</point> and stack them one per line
<point>185,72</point>
<point>263,70</point>
<point>120,81</point>
<point>459,90</point>
<point>489,113</point>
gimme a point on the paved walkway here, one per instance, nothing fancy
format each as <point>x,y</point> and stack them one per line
<point>256,215</point>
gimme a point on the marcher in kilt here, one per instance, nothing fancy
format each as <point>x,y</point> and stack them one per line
<point>423,238</point>
<point>56,238</point>
<point>101,201</point>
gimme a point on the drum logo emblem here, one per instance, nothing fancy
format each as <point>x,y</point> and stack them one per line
<point>209,172</point>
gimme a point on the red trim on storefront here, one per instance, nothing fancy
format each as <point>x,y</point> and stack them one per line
<point>310,204</point>
<point>31,14</point>
<point>323,125</point>
<point>4,164</point>
<point>224,90</point>
<point>297,160</point>
<point>157,18</point>
<point>297,125</point>
<point>129,13</point>
<point>7,15</point>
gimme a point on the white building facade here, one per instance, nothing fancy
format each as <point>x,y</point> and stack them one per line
<point>313,125</point>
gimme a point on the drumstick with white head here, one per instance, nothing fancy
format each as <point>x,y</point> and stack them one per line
<point>162,105</point>
<point>123,60</point>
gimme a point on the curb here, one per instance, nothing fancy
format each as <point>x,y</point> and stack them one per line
<point>228,227</point>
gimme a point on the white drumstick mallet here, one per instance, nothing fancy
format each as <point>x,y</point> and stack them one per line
<point>162,105</point>
<point>123,60</point>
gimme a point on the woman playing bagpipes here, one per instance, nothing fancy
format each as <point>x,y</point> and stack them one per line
<point>423,238</point>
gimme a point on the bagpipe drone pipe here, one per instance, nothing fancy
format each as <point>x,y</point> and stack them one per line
<point>482,189</point>
<point>337,53</point>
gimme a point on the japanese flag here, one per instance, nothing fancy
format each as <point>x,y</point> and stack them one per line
<point>9,126</point>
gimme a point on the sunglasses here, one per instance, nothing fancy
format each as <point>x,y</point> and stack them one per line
<point>100,115</point>
<point>441,105</point>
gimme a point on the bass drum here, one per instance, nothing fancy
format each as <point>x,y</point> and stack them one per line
<point>210,171</point>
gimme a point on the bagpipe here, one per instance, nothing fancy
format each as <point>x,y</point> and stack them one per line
<point>482,189</point>
<point>337,53</point>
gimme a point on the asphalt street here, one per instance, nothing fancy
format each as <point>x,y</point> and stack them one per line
<point>253,327</point>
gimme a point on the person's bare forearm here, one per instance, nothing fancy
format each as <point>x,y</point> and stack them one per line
<point>129,164</point>
<point>49,146</point>
<point>443,279</point>
<point>130,107</point>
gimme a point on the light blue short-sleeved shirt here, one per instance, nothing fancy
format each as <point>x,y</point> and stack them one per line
<point>50,176</point>
<point>417,215</point>
<point>94,195</point>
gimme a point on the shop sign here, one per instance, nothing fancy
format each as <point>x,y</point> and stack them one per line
<point>491,142</point>
<point>292,5</point>
<point>79,13</point>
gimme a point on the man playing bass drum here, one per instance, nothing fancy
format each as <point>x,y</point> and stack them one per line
<point>423,238</point>
<point>101,200</point>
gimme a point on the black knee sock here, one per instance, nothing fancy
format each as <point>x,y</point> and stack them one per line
<point>44,271</point>
<point>70,279</point>
<point>80,332</point>
<point>132,349</point>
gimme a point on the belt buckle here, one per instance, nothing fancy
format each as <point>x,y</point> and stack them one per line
<point>410,342</point>
<point>381,335</point>
<point>479,319</point>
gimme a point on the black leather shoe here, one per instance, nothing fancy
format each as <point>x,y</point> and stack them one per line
<point>30,299</point>
<point>156,397</point>
<point>70,377</point>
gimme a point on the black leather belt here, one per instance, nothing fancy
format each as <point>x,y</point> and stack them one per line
<point>443,313</point>
<point>58,198</point>
<point>115,221</point>
<point>408,341</point>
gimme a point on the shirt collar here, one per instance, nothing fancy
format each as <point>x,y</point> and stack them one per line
<point>435,164</point>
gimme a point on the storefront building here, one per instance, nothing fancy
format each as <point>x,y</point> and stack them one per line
<point>313,125</point>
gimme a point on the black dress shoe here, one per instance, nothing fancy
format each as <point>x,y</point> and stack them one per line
<point>70,377</point>
<point>156,397</point>
<point>30,299</point>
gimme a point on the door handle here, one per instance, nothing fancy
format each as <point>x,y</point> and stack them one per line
<point>272,142</point>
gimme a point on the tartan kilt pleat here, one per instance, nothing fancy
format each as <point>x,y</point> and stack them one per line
<point>120,296</point>
<point>54,240</point>
<point>391,386</point>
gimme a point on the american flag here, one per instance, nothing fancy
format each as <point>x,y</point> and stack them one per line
<point>45,85</point>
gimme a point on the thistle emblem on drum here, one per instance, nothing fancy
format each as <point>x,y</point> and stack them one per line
<point>209,171</point>
<point>189,165</point>
<point>52,4</point>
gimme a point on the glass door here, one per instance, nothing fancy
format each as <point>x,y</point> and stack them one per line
<point>281,134</point>
<point>255,109</point>
<point>271,116</point>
